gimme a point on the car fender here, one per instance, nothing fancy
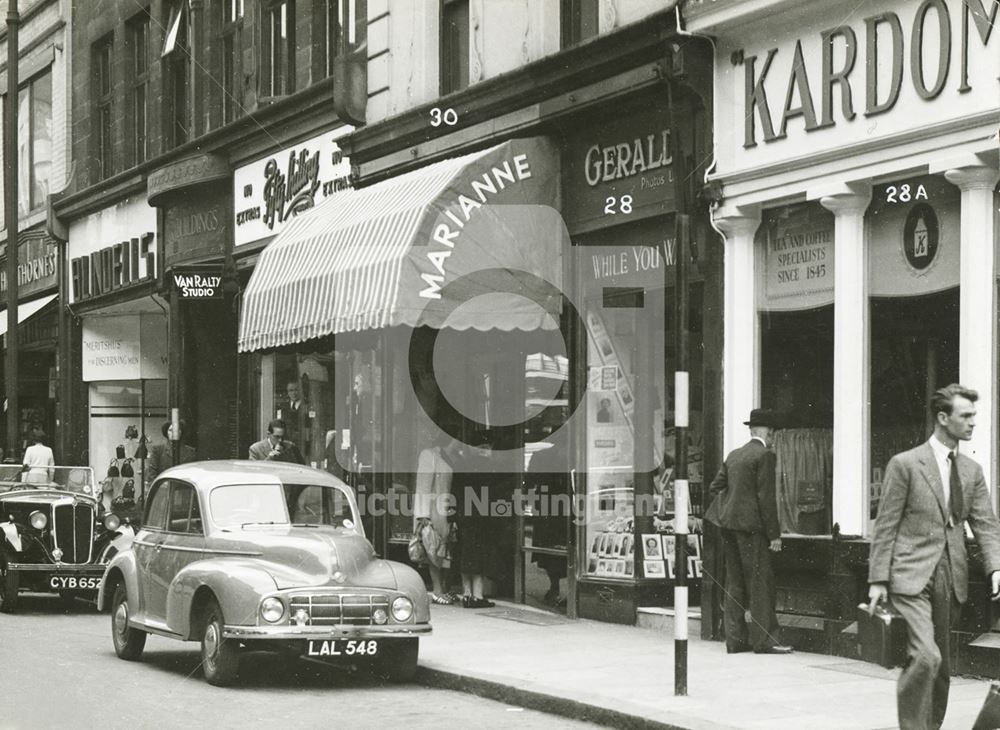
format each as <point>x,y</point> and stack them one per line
<point>237,583</point>
<point>121,568</point>
<point>410,584</point>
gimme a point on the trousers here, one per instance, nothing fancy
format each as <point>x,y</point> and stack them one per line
<point>749,584</point>
<point>922,689</point>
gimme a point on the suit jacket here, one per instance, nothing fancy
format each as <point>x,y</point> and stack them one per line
<point>261,451</point>
<point>742,493</point>
<point>161,457</point>
<point>912,529</point>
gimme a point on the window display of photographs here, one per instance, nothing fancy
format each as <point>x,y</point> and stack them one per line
<point>694,566</point>
<point>671,573</point>
<point>592,566</point>
<point>629,568</point>
<point>651,548</point>
<point>669,545</point>
<point>616,546</point>
<point>653,568</point>
<point>595,545</point>
<point>618,567</point>
<point>602,567</point>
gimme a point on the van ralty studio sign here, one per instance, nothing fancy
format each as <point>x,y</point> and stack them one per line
<point>197,283</point>
<point>270,192</point>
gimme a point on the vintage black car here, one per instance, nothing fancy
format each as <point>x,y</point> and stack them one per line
<point>55,536</point>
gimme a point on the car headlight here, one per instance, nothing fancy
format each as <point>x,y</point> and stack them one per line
<point>271,610</point>
<point>380,616</point>
<point>57,554</point>
<point>112,521</point>
<point>38,520</point>
<point>402,608</point>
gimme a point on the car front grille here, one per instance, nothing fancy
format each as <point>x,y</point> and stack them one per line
<point>331,609</point>
<point>74,531</point>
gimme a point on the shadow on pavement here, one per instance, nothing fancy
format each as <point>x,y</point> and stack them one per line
<point>44,604</point>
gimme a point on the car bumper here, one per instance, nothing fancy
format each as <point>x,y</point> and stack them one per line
<point>284,633</point>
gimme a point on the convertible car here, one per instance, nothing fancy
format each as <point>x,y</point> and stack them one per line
<point>248,556</point>
<point>55,536</point>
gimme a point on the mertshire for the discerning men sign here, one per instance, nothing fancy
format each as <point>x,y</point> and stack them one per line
<point>197,284</point>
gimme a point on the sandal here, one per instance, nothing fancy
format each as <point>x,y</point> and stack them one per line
<point>440,600</point>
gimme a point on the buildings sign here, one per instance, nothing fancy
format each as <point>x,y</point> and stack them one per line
<point>270,192</point>
<point>115,267</point>
<point>827,81</point>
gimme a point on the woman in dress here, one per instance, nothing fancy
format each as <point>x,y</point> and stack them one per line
<point>430,512</point>
<point>38,460</point>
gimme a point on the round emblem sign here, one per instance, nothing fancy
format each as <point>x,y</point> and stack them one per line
<point>920,236</point>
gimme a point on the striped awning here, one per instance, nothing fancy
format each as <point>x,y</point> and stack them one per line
<point>26,310</point>
<point>470,242</point>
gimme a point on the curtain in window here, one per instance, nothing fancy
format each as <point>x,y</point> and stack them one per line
<point>804,473</point>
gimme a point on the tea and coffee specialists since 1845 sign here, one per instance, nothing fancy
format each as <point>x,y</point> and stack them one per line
<point>270,192</point>
<point>797,244</point>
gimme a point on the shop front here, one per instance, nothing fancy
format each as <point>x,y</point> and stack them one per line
<point>425,308</point>
<point>858,174</point>
<point>193,197</point>
<point>120,335</point>
<point>38,327</point>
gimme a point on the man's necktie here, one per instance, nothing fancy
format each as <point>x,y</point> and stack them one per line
<point>955,490</point>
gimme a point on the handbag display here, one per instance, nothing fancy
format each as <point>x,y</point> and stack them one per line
<point>882,636</point>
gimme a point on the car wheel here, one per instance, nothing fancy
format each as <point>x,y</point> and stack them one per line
<point>398,662</point>
<point>220,657</point>
<point>9,586</point>
<point>129,642</point>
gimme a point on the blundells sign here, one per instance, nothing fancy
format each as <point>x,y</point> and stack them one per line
<point>850,75</point>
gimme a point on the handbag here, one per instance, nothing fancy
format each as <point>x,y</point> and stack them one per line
<point>989,715</point>
<point>113,469</point>
<point>416,548</point>
<point>127,470</point>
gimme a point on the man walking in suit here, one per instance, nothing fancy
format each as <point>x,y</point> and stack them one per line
<point>918,557</point>
<point>744,506</point>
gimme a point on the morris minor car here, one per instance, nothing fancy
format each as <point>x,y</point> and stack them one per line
<point>247,556</point>
<point>55,536</point>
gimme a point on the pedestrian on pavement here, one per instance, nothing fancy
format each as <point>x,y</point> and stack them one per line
<point>745,507</point>
<point>274,447</point>
<point>918,559</point>
<point>38,459</point>
<point>431,522</point>
<point>548,474</point>
<point>161,454</point>
<point>479,535</point>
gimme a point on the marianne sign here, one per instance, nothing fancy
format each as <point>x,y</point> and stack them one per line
<point>270,192</point>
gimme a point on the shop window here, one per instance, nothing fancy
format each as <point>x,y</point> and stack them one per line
<point>277,55</point>
<point>103,107</point>
<point>795,282</point>
<point>34,142</point>
<point>176,57</point>
<point>578,21</point>
<point>230,25</point>
<point>455,31</point>
<point>138,94</point>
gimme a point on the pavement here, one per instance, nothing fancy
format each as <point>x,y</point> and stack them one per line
<point>623,676</point>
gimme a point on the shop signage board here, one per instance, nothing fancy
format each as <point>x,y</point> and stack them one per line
<point>798,256</point>
<point>823,81</point>
<point>196,230</point>
<point>128,347</point>
<point>270,192</point>
<point>202,282</point>
<point>36,268</point>
<point>619,170</point>
<point>112,250</point>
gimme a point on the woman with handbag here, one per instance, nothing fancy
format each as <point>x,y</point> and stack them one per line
<point>430,513</point>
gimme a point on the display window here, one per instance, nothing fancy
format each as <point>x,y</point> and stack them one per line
<point>795,308</point>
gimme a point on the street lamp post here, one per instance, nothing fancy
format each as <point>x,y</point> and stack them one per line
<point>10,217</point>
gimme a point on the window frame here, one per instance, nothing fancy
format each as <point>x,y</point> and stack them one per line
<point>26,193</point>
<point>154,492</point>
<point>175,59</point>
<point>102,58</point>
<point>268,73</point>
<point>229,37</point>
<point>571,21</point>
<point>177,486</point>
<point>452,64</point>
<point>140,60</point>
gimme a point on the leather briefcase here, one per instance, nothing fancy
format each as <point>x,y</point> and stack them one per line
<point>989,715</point>
<point>882,636</point>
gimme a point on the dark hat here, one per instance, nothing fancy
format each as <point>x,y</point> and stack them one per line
<point>763,417</point>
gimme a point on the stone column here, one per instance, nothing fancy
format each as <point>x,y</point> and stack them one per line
<point>850,358</point>
<point>978,312</point>
<point>741,384</point>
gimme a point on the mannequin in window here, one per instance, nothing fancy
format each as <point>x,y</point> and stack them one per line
<point>362,417</point>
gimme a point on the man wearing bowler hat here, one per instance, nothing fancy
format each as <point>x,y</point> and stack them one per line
<point>744,506</point>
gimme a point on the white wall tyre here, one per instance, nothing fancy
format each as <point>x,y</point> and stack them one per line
<point>220,657</point>
<point>128,642</point>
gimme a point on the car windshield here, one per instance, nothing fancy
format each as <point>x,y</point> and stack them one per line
<point>75,479</point>
<point>247,505</point>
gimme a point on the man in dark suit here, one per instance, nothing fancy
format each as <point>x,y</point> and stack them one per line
<point>274,447</point>
<point>744,506</point>
<point>918,557</point>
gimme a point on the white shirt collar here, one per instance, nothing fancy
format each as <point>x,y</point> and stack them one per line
<point>941,451</point>
<point>758,438</point>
